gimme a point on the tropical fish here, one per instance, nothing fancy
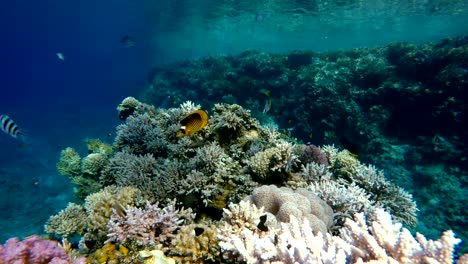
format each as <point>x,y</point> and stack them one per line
<point>60,55</point>
<point>267,106</point>
<point>9,127</point>
<point>192,123</point>
<point>128,41</point>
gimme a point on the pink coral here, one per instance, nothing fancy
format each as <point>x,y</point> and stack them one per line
<point>33,249</point>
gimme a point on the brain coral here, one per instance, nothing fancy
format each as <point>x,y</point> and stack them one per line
<point>283,202</point>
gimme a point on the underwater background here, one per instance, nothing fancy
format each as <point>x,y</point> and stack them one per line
<point>259,54</point>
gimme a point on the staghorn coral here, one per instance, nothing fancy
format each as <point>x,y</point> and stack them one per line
<point>284,202</point>
<point>141,172</point>
<point>242,218</point>
<point>347,170</point>
<point>149,226</point>
<point>385,241</point>
<point>381,241</point>
<point>313,172</point>
<point>344,200</point>
<point>386,194</point>
<point>68,222</point>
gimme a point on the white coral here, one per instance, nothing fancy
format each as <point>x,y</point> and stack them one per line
<point>380,242</point>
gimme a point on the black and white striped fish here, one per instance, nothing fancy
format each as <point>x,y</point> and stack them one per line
<point>9,127</point>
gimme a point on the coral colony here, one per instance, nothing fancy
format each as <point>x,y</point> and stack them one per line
<point>228,189</point>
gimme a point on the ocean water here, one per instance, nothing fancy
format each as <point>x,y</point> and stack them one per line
<point>59,103</point>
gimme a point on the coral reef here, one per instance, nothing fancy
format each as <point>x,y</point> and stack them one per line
<point>85,172</point>
<point>33,249</point>
<point>381,241</point>
<point>348,170</point>
<point>109,253</point>
<point>68,222</point>
<point>195,243</point>
<point>224,171</point>
<point>148,226</point>
<point>99,206</point>
<point>305,218</point>
<point>284,203</point>
<point>347,98</point>
<point>127,107</point>
<point>155,257</point>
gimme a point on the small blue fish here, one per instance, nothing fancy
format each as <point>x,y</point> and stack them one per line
<point>9,127</point>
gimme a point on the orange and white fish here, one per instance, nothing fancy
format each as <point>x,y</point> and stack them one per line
<point>9,127</point>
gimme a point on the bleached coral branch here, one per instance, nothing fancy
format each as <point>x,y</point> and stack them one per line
<point>388,242</point>
<point>380,242</point>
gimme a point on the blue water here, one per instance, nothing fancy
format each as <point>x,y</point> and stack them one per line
<point>59,103</point>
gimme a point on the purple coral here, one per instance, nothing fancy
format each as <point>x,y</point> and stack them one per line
<point>313,153</point>
<point>33,249</point>
<point>149,226</point>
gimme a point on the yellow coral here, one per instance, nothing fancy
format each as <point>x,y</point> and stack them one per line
<point>69,221</point>
<point>97,146</point>
<point>70,162</point>
<point>155,257</point>
<point>99,205</point>
<point>109,254</point>
<point>195,244</point>
<point>93,163</point>
<point>345,164</point>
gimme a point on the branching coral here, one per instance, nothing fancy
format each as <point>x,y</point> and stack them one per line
<point>231,122</point>
<point>388,242</point>
<point>99,207</point>
<point>148,226</point>
<point>141,172</point>
<point>70,221</point>
<point>347,170</point>
<point>382,241</point>
<point>70,163</point>
<point>141,134</point>
<point>85,172</point>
